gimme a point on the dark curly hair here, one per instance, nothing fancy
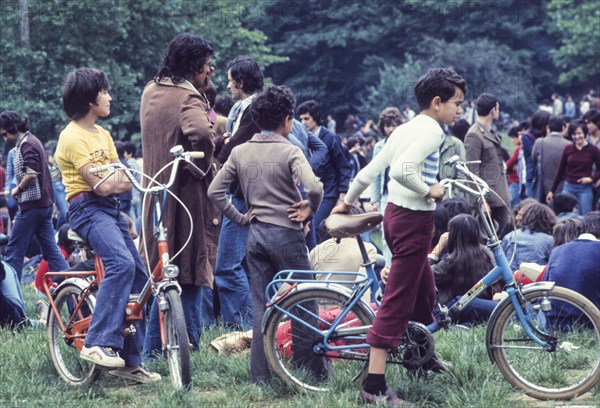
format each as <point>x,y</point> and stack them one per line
<point>390,116</point>
<point>313,108</point>
<point>185,57</point>
<point>539,218</point>
<point>272,106</point>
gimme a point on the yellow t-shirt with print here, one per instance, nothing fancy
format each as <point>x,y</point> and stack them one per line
<point>78,147</point>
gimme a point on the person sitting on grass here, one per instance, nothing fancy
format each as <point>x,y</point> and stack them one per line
<point>533,241</point>
<point>576,264</point>
<point>564,206</point>
<point>276,212</point>
<point>465,263</point>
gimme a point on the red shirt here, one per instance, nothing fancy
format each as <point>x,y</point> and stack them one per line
<point>512,175</point>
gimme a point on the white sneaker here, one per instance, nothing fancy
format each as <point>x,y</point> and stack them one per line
<point>103,356</point>
<point>139,374</point>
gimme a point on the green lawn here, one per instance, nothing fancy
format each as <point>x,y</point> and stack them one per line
<point>28,380</point>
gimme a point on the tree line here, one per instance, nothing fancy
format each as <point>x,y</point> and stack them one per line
<point>353,57</point>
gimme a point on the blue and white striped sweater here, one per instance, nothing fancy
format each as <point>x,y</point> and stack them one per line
<point>431,166</point>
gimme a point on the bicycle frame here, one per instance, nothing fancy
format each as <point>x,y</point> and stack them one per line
<point>275,291</point>
<point>157,282</point>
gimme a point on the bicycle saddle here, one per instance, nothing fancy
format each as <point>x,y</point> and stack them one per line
<point>346,225</point>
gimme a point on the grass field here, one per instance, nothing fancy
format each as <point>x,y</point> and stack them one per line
<point>28,380</point>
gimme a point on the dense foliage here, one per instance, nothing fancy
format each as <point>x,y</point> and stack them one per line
<point>351,56</point>
<point>125,38</point>
<point>361,56</point>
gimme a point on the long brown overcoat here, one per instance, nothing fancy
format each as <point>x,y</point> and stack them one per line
<point>176,114</point>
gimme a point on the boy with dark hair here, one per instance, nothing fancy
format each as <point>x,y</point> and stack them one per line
<point>413,154</point>
<point>94,215</point>
<point>276,209</point>
<point>80,91</point>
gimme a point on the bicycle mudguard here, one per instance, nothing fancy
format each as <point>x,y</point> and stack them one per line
<point>79,282</point>
<point>507,303</point>
<point>303,287</point>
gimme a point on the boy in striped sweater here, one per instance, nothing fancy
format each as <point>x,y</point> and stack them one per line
<point>412,152</point>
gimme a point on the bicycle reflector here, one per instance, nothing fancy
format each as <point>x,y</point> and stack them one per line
<point>171,271</point>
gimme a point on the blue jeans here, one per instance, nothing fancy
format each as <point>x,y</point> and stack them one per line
<point>11,203</point>
<point>231,272</point>
<point>528,189</point>
<point>38,222</point>
<point>99,222</point>
<point>12,305</point>
<point>584,194</point>
<point>191,300</point>
<point>61,202</point>
<point>514,189</point>
<point>207,311</point>
<point>324,210</point>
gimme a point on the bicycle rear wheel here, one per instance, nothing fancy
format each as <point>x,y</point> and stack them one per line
<point>289,347</point>
<point>177,350</point>
<point>572,323</point>
<point>65,356</point>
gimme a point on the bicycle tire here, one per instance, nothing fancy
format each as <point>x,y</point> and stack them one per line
<point>312,372</point>
<point>65,356</point>
<point>177,351</point>
<point>569,371</point>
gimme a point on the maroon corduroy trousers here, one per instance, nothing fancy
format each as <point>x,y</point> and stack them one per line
<point>410,290</point>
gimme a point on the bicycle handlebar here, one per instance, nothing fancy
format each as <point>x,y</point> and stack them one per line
<point>196,155</point>
<point>177,151</point>
<point>461,166</point>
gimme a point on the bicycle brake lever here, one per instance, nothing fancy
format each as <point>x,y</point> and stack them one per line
<point>195,170</point>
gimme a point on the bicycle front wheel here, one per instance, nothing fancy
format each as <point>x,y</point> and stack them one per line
<point>563,318</point>
<point>177,350</point>
<point>292,349</point>
<point>63,351</point>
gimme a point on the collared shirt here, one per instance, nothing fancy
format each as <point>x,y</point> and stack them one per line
<point>239,108</point>
<point>588,236</point>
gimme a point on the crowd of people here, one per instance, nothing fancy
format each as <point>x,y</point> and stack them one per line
<point>273,173</point>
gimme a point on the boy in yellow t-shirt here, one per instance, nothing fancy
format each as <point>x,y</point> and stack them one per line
<point>94,215</point>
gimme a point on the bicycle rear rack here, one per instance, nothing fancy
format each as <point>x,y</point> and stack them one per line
<point>286,281</point>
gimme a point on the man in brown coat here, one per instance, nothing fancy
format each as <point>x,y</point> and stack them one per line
<point>174,112</point>
<point>483,143</point>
